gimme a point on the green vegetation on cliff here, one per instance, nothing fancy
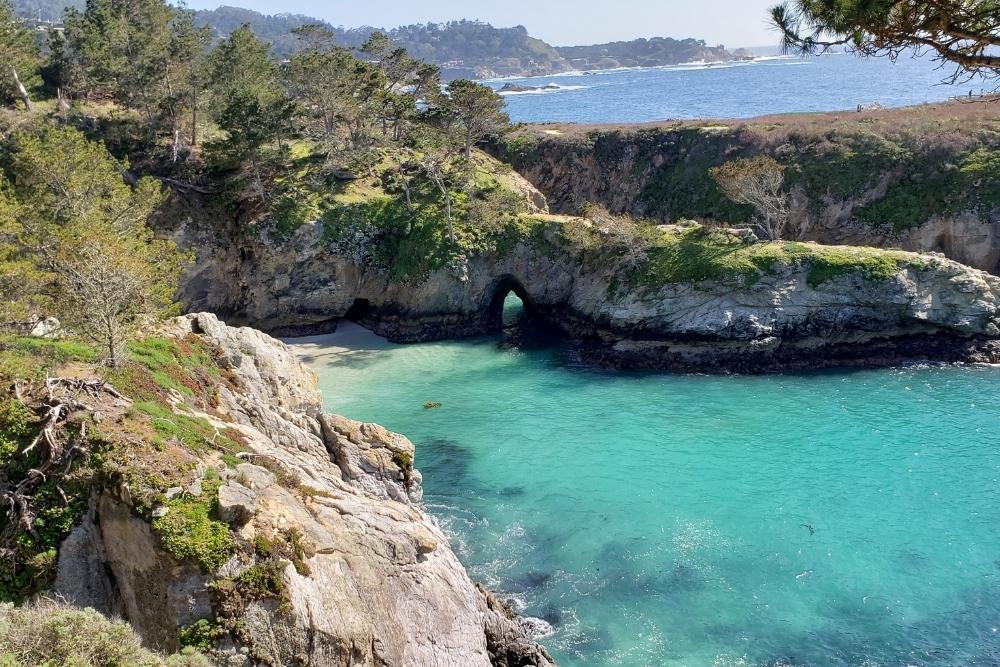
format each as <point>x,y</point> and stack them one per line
<point>405,234</point>
<point>695,253</point>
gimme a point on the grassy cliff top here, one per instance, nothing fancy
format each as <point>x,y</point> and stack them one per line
<point>692,253</point>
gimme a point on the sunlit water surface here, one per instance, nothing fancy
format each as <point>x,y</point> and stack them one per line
<point>838,518</point>
<point>834,82</point>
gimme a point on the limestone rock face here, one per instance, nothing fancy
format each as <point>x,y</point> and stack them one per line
<point>380,586</point>
<point>236,503</point>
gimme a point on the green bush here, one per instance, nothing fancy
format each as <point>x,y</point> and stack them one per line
<point>202,634</point>
<point>188,531</point>
<point>15,425</point>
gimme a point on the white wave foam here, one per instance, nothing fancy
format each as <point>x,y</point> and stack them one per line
<point>537,627</point>
<point>541,91</point>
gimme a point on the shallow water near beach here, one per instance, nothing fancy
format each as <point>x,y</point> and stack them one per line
<point>835,518</point>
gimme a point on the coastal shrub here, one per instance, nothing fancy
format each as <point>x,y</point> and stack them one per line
<point>201,635</point>
<point>189,531</point>
<point>405,462</point>
<point>519,148</point>
<point>408,242</point>
<point>53,635</point>
<point>159,365</point>
<point>15,425</point>
<point>29,561</point>
<point>262,581</point>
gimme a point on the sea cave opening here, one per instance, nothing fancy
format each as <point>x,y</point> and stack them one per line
<point>359,311</point>
<point>513,310</point>
<point>512,313</point>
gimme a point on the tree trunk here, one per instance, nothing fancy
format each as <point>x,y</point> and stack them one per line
<point>447,209</point>
<point>22,91</point>
<point>468,145</point>
<point>194,117</point>
<point>63,103</point>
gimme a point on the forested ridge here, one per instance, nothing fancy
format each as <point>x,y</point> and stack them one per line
<point>463,49</point>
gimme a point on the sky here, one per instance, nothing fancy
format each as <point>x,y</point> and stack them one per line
<point>734,23</point>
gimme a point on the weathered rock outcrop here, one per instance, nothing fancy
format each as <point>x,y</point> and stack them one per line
<point>378,584</point>
<point>930,307</point>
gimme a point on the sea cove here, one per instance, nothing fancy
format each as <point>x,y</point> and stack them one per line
<point>834,518</point>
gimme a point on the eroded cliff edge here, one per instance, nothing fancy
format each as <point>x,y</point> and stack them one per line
<point>339,564</point>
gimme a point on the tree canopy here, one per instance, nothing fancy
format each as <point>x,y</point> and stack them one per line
<point>74,240</point>
<point>963,32</point>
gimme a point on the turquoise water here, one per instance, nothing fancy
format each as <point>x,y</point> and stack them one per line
<point>734,90</point>
<point>842,518</point>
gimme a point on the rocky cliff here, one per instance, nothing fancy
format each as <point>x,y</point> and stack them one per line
<point>341,566</point>
<point>921,179</point>
<point>698,299</point>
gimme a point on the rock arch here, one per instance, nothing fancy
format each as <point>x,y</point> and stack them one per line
<point>503,286</point>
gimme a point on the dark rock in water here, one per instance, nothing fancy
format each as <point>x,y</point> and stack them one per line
<point>684,578</point>
<point>522,88</point>
<point>551,614</point>
<point>449,460</point>
<point>529,581</point>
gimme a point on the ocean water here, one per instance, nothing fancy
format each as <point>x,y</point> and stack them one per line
<point>825,519</point>
<point>832,82</point>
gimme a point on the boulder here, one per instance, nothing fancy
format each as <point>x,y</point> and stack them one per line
<point>47,328</point>
<point>236,503</point>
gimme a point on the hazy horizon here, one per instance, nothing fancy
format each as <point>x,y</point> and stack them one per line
<point>735,23</point>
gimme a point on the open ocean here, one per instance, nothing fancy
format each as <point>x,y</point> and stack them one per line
<point>773,84</point>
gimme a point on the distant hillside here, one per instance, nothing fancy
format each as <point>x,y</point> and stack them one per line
<point>463,49</point>
<point>276,29</point>
<point>645,53</point>
<point>471,49</point>
<point>45,10</point>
